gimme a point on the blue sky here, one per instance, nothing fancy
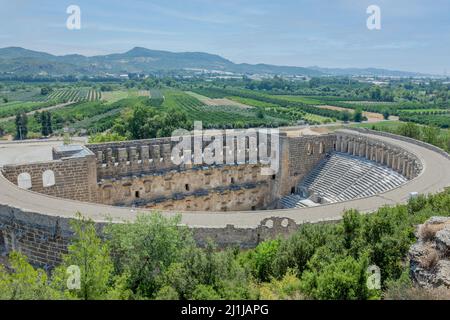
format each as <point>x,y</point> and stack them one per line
<point>415,34</point>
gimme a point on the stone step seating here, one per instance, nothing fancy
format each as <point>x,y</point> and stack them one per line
<point>291,201</point>
<point>296,201</point>
<point>343,177</point>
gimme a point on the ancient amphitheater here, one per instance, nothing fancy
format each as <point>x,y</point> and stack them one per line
<point>319,177</point>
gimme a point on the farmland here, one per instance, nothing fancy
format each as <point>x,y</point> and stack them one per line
<point>96,106</point>
<point>74,95</point>
<point>116,95</point>
<point>291,104</point>
<point>223,117</point>
<point>28,94</point>
<point>11,108</point>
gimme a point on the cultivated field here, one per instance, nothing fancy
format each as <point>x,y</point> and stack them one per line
<point>217,102</point>
<point>74,95</point>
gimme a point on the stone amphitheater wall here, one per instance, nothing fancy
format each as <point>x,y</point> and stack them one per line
<point>403,138</point>
<point>74,178</point>
<point>43,238</point>
<point>222,188</point>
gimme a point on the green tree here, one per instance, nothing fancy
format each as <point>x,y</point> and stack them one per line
<point>409,129</point>
<point>346,116</point>
<point>172,120</point>
<point>358,115</point>
<point>46,90</point>
<point>335,278</point>
<point>167,293</point>
<point>146,248</point>
<point>205,292</point>
<point>287,288</point>
<point>91,255</point>
<point>106,137</point>
<point>262,259</point>
<point>45,120</point>
<point>23,282</point>
<point>260,114</point>
<point>431,134</point>
<point>21,123</point>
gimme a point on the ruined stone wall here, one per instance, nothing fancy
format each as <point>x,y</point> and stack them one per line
<point>142,156</point>
<point>201,188</point>
<point>43,238</point>
<point>299,155</point>
<point>74,178</point>
<point>392,156</point>
<point>235,198</point>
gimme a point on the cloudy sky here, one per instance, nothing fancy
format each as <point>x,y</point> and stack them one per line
<point>414,35</point>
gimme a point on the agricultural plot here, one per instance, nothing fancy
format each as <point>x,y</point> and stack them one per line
<point>425,111</point>
<point>74,95</point>
<point>371,103</point>
<point>25,95</point>
<point>288,102</point>
<point>217,102</point>
<point>156,97</point>
<point>116,95</point>
<point>93,95</point>
<point>252,102</point>
<point>301,99</point>
<point>12,108</point>
<point>224,116</point>
<point>439,120</point>
<point>371,116</point>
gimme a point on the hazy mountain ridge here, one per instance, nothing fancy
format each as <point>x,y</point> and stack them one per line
<point>21,62</point>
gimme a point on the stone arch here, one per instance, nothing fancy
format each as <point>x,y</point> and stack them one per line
<point>309,149</point>
<point>269,223</point>
<point>24,180</point>
<point>48,178</point>
<point>321,148</point>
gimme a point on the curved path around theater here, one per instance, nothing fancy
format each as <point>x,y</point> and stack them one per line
<point>434,178</point>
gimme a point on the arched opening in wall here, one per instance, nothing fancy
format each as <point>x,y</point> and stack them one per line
<point>148,186</point>
<point>137,194</point>
<point>253,208</point>
<point>293,190</point>
<point>186,187</point>
<point>274,176</point>
<point>48,178</point>
<point>232,180</point>
<point>107,193</point>
<point>309,149</point>
<point>24,180</point>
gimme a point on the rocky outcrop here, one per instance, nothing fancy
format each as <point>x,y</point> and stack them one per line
<point>430,255</point>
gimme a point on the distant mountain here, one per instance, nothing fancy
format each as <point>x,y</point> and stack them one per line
<point>18,61</point>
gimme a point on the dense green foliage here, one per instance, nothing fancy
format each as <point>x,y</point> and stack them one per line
<point>21,123</point>
<point>429,134</point>
<point>156,258</point>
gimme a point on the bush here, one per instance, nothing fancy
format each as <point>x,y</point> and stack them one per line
<point>146,249</point>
